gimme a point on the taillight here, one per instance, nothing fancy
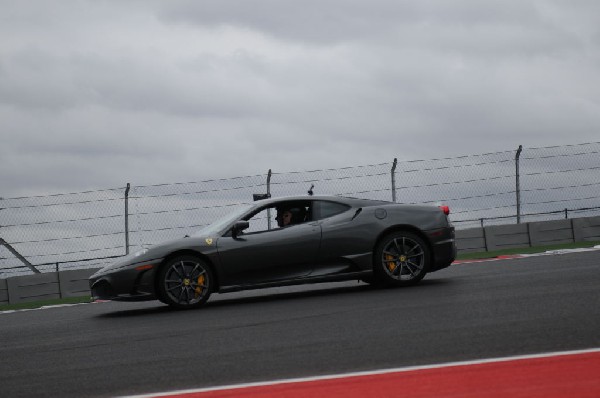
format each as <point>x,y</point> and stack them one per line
<point>445,209</point>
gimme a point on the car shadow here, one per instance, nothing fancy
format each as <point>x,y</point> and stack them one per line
<point>155,310</point>
<point>219,301</point>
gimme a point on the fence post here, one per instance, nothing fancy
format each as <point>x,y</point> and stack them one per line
<point>127,219</point>
<point>19,256</point>
<point>485,240</point>
<point>58,279</point>
<point>268,196</point>
<point>518,187</point>
<point>394,180</point>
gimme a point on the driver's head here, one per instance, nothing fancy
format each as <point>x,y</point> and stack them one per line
<point>284,217</point>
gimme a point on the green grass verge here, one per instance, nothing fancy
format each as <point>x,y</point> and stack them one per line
<point>525,250</point>
<point>38,304</point>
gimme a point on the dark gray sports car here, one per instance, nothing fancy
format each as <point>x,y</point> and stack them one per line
<point>310,239</point>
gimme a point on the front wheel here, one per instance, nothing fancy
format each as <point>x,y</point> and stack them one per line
<point>401,259</point>
<point>185,282</point>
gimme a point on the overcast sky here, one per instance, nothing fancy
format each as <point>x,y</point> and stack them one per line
<point>95,94</point>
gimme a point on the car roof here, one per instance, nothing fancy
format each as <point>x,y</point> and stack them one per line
<point>355,202</point>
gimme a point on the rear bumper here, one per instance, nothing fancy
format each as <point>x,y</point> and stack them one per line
<point>444,249</point>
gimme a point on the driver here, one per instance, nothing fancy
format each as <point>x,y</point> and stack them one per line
<point>284,217</point>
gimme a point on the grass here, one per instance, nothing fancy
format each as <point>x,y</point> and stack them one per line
<point>464,256</point>
<point>525,250</point>
<point>38,304</point>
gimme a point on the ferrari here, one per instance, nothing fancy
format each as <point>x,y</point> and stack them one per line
<point>287,241</point>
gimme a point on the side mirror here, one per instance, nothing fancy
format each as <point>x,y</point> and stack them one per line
<point>238,227</point>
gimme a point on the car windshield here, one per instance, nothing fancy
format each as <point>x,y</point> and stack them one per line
<point>218,225</point>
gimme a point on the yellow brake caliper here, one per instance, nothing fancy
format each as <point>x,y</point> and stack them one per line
<point>391,264</point>
<point>198,290</point>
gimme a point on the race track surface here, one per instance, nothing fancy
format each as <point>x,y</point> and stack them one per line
<point>467,312</point>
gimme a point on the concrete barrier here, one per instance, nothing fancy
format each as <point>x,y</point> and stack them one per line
<point>46,286</point>
<point>33,288</point>
<point>3,291</point>
<point>507,236</point>
<point>530,234</point>
<point>551,232</point>
<point>471,240</point>
<point>586,229</point>
<point>75,283</point>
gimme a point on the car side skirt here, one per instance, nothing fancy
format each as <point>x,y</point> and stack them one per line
<point>308,280</point>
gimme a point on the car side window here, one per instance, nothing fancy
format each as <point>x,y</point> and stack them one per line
<point>325,209</point>
<point>295,212</point>
<point>259,222</point>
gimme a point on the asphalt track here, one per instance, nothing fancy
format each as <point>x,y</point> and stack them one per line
<point>468,312</point>
<point>556,375</point>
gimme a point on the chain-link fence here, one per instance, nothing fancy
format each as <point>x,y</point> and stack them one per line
<point>167,211</point>
<point>62,228</point>
<point>560,179</point>
<point>89,229</point>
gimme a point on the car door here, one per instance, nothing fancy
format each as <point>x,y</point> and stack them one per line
<point>344,246</point>
<point>269,255</point>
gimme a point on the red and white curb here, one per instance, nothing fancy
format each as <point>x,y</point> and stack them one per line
<point>47,307</point>
<point>513,256</point>
<point>548,375</point>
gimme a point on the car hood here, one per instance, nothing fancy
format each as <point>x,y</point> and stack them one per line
<point>159,251</point>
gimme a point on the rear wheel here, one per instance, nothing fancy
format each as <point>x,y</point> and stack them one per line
<point>401,259</point>
<point>185,282</point>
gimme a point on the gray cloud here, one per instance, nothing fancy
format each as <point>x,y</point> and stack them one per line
<point>95,94</point>
<point>323,23</point>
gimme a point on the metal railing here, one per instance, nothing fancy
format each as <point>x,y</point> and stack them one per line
<point>526,184</point>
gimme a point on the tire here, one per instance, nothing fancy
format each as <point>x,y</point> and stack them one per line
<point>185,282</point>
<point>401,259</point>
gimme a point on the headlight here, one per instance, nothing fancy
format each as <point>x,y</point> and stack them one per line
<point>139,253</point>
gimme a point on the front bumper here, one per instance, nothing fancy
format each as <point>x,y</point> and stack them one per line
<point>126,284</point>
